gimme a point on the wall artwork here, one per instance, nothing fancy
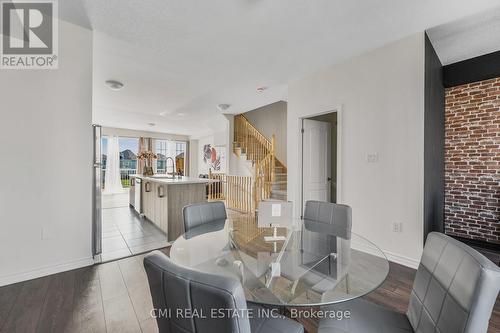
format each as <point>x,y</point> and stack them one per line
<point>215,158</point>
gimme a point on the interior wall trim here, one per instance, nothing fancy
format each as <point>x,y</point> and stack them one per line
<point>478,243</point>
<point>44,271</point>
<point>480,68</point>
<point>391,256</point>
<point>434,142</point>
<point>402,260</point>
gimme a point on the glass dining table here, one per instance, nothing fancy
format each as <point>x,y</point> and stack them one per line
<point>309,266</point>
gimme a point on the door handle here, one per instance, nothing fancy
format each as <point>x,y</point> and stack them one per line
<point>148,187</point>
<point>329,179</point>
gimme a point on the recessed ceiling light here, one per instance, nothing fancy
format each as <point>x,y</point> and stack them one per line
<point>151,124</point>
<point>223,107</point>
<point>165,113</point>
<point>261,89</point>
<point>114,85</point>
<point>181,114</point>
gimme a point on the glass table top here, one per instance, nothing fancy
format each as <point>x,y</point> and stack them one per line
<point>308,266</point>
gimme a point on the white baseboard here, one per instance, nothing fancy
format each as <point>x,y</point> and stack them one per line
<point>402,260</point>
<point>399,259</point>
<point>44,271</point>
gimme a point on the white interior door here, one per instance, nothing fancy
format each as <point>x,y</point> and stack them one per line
<point>316,152</point>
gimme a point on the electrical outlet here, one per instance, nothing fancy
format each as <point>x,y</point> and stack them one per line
<point>397,227</point>
<point>372,157</point>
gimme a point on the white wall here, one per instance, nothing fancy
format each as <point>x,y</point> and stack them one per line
<point>46,163</point>
<point>269,120</point>
<point>381,94</point>
<point>193,158</point>
<point>135,134</point>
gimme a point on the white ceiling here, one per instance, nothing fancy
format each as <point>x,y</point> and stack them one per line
<point>468,37</point>
<point>185,57</point>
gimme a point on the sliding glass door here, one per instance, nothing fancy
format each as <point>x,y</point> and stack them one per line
<point>129,148</point>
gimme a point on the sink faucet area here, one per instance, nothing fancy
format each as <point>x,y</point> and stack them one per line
<point>173,167</point>
<point>168,175</point>
<point>166,169</point>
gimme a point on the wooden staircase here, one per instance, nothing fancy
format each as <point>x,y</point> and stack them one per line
<point>279,185</point>
<point>269,174</point>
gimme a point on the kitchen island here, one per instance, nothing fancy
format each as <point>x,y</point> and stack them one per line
<point>161,199</point>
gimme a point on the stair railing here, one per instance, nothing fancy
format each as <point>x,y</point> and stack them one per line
<point>216,190</point>
<point>261,151</point>
<point>262,179</point>
<point>236,191</point>
<point>255,145</point>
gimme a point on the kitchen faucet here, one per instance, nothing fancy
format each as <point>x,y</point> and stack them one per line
<point>173,166</point>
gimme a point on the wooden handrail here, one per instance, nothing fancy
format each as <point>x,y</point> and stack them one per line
<point>261,151</point>
<point>247,126</point>
<point>253,143</point>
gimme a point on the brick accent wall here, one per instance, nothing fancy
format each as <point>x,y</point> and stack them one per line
<point>472,161</point>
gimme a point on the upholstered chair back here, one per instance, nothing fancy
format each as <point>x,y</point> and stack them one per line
<point>454,290</point>
<point>175,288</point>
<point>205,212</point>
<point>339,216</point>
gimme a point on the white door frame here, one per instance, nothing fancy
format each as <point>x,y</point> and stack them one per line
<point>338,176</point>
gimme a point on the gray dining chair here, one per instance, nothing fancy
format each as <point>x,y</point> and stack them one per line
<point>454,290</point>
<point>339,216</point>
<point>334,222</point>
<point>175,287</point>
<point>200,213</point>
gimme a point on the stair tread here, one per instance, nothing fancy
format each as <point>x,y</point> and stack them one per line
<point>278,191</point>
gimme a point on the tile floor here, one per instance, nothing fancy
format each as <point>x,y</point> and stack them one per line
<point>115,200</point>
<point>124,233</point>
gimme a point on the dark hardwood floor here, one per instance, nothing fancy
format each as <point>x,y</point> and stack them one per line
<point>114,297</point>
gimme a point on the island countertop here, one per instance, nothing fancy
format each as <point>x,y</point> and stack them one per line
<point>163,179</point>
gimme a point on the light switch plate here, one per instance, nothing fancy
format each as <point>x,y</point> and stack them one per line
<point>276,210</point>
<point>372,157</point>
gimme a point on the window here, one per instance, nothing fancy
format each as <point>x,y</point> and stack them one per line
<point>180,152</point>
<point>129,148</point>
<point>162,153</point>
<point>175,150</point>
